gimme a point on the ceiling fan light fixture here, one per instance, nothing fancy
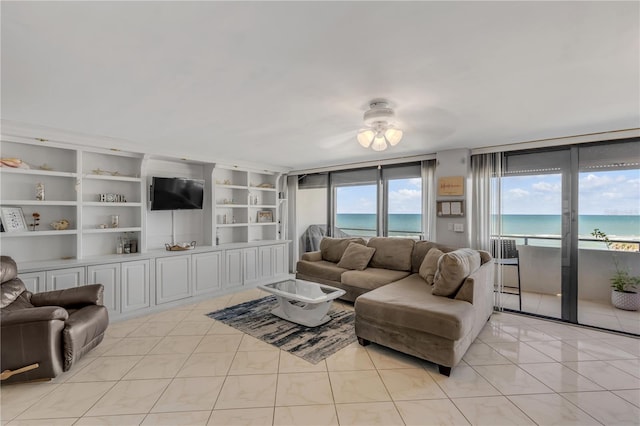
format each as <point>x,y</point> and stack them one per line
<point>365,137</point>
<point>380,131</point>
<point>393,135</point>
<point>379,143</point>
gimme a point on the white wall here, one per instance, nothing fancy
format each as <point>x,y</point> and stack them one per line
<point>311,209</point>
<point>188,224</point>
<point>453,162</point>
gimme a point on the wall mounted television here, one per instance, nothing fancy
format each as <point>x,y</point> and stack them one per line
<point>176,193</point>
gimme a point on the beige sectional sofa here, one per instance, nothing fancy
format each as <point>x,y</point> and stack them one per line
<point>421,298</point>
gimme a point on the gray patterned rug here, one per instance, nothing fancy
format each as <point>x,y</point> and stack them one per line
<point>310,343</point>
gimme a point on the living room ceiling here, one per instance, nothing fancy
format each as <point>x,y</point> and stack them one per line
<point>286,83</point>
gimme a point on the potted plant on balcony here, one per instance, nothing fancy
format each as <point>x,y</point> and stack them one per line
<point>624,294</point>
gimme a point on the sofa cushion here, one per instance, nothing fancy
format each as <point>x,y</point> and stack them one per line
<point>320,269</point>
<point>356,256</point>
<point>421,249</point>
<point>332,249</point>
<point>391,253</point>
<point>405,304</point>
<point>453,268</point>
<point>430,265</point>
<point>371,278</point>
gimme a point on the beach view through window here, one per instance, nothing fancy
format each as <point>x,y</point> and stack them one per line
<point>356,207</point>
<point>608,200</point>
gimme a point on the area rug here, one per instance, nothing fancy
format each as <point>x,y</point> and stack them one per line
<point>310,343</point>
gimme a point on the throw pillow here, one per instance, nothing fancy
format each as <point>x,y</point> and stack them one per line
<point>453,268</point>
<point>332,249</point>
<point>356,256</point>
<point>429,265</point>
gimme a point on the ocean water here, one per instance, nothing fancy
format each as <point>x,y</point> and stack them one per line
<point>617,227</point>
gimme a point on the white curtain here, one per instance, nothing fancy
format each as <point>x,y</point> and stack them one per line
<point>486,172</point>
<point>428,172</point>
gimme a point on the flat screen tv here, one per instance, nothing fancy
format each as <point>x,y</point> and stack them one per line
<point>176,193</point>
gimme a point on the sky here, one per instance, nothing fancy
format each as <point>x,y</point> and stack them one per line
<point>600,193</point>
<point>405,196</point>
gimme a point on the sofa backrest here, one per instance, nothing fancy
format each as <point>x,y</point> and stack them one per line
<point>332,249</point>
<point>391,253</point>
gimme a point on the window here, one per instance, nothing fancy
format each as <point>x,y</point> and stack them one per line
<point>355,202</point>
<point>403,194</point>
<point>384,201</point>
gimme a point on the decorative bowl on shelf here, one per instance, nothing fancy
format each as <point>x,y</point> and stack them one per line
<point>60,225</point>
<point>180,246</point>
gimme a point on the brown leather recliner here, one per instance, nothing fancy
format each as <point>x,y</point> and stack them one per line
<point>53,329</point>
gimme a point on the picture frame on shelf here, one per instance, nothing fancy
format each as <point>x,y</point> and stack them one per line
<point>13,219</point>
<point>265,216</point>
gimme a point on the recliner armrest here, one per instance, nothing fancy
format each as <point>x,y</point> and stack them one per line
<point>312,256</point>
<point>70,297</point>
<point>27,315</point>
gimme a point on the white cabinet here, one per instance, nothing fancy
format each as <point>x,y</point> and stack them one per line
<point>59,279</point>
<point>251,265</point>
<point>135,285</point>
<point>233,268</point>
<point>207,271</point>
<point>266,261</point>
<point>272,261</point>
<point>280,260</point>
<point>173,278</point>
<point>34,281</point>
<point>109,276</point>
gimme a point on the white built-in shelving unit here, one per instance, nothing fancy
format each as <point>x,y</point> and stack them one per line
<point>73,180</point>
<point>240,253</point>
<point>241,205</point>
<point>247,206</point>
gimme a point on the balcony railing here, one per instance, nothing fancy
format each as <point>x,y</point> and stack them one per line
<point>368,232</point>
<point>590,243</point>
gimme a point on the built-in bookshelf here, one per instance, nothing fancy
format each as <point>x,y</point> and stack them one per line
<point>246,205</point>
<point>58,183</point>
<point>93,188</point>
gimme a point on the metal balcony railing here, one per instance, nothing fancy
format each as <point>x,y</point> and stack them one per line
<point>592,243</point>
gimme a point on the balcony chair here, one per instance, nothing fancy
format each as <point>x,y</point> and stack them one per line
<point>505,253</point>
<point>44,334</point>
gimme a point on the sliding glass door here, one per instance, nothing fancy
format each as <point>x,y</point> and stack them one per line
<point>574,216</point>
<point>609,204</point>
<point>533,214</point>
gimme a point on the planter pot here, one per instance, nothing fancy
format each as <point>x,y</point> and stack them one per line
<point>627,300</point>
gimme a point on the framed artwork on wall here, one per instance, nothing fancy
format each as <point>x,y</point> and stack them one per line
<point>451,186</point>
<point>265,216</point>
<point>13,219</point>
<point>452,208</point>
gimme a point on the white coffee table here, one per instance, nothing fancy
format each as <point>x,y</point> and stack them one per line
<point>303,302</point>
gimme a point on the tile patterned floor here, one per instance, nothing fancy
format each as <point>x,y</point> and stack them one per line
<point>179,367</point>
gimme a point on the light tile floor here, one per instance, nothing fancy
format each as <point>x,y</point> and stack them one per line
<point>590,312</point>
<point>179,367</point>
